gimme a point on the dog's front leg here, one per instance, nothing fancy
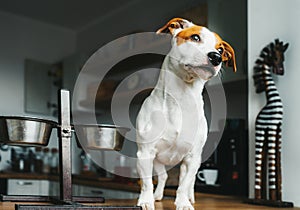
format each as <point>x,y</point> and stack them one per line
<point>144,168</point>
<point>191,190</point>
<point>185,191</point>
<point>183,171</point>
<point>162,175</point>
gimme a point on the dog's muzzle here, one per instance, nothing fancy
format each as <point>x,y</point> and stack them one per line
<point>214,58</point>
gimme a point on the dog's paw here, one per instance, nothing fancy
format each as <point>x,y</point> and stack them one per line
<point>158,195</point>
<point>184,208</point>
<point>192,198</point>
<point>183,203</point>
<point>146,201</point>
<point>146,206</point>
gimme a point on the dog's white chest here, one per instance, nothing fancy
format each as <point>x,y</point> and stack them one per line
<point>169,122</point>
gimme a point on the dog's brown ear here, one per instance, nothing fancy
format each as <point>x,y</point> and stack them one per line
<point>174,24</point>
<point>228,56</point>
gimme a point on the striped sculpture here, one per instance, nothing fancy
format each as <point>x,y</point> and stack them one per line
<point>268,123</point>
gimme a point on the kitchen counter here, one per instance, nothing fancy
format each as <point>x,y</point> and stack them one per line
<point>15,175</point>
<point>203,202</point>
<point>87,180</point>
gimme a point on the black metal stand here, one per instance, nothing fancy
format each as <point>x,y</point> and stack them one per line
<point>64,136</point>
<point>66,200</point>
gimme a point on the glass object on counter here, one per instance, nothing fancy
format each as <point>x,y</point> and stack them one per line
<point>46,161</point>
<point>21,163</point>
<point>20,160</point>
<point>38,162</point>
<point>86,163</point>
<point>54,163</point>
<point>31,158</point>
<point>14,160</point>
<point>122,171</point>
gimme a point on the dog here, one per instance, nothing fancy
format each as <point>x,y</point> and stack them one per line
<point>171,125</point>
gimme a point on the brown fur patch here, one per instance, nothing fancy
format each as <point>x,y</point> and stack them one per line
<point>185,34</point>
<point>228,56</point>
<point>172,25</point>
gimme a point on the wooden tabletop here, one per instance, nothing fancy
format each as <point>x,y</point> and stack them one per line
<point>203,202</point>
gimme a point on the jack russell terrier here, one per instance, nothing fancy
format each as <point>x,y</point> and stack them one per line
<point>171,125</point>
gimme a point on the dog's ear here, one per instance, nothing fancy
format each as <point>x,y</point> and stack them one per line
<point>174,24</point>
<point>227,53</point>
<point>228,56</point>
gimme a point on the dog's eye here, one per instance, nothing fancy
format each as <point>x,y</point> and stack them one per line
<point>196,38</point>
<point>220,50</point>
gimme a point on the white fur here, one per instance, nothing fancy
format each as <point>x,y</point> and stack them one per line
<point>171,126</point>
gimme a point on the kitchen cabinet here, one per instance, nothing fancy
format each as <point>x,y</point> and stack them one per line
<point>51,188</point>
<point>28,187</point>
<point>48,185</point>
<point>32,187</point>
<point>42,81</point>
<point>54,189</point>
<point>81,190</point>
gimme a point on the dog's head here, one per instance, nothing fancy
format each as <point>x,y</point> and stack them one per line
<point>198,50</point>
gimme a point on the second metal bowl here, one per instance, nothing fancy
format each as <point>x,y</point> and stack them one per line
<point>101,137</point>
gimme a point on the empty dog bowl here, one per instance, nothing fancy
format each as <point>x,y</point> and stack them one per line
<point>101,137</point>
<point>25,131</point>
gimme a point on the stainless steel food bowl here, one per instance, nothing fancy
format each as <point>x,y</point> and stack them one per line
<point>101,137</point>
<point>25,131</point>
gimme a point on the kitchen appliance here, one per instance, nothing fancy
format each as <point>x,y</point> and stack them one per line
<point>65,200</point>
<point>230,158</point>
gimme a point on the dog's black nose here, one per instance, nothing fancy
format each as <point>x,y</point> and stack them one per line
<point>215,58</point>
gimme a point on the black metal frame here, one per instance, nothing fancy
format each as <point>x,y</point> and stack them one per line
<point>65,200</point>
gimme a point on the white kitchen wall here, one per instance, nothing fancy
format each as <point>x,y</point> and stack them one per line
<point>22,38</point>
<point>267,20</point>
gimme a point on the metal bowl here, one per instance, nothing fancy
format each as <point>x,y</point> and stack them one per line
<point>101,137</point>
<point>25,131</point>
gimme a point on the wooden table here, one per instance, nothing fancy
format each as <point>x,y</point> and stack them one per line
<point>203,202</point>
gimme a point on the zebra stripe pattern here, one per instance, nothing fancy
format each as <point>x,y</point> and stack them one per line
<point>268,124</point>
<point>267,137</point>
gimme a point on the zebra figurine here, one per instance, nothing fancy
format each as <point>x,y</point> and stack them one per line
<point>268,122</point>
